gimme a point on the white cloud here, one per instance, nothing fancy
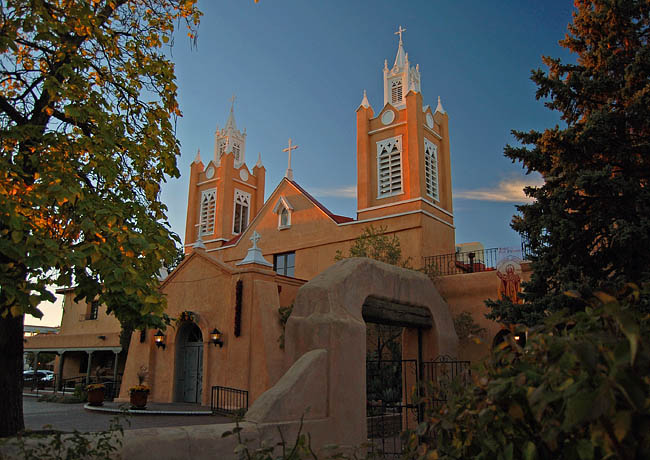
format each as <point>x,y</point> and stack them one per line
<point>509,191</point>
<point>346,191</point>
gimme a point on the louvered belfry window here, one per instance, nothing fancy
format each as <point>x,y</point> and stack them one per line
<point>242,203</point>
<point>396,92</point>
<point>208,210</point>
<point>431,168</point>
<point>389,167</point>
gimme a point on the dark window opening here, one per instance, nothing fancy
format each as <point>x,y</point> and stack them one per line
<point>284,264</point>
<point>94,309</point>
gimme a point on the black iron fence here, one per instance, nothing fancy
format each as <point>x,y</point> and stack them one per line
<point>438,377</point>
<point>399,394</point>
<point>461,262</point>
<point>111,387</point>
<point>228,401</point>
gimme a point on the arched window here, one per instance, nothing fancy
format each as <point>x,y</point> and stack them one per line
<point>389,167</point>
<point>208,209</point>
<point>242,203</point>
<point>283,209</point>
<point>284,217</point>
<point>431,168</point>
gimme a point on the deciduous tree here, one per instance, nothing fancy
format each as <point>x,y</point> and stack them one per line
<point>87,111</point>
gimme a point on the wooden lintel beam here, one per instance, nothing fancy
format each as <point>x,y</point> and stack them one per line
<point>381,311</point>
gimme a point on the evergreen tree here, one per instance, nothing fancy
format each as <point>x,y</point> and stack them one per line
<point>589,226</point>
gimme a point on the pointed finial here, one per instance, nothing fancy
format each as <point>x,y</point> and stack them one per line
<point>439,107</point>
<point>364,101</point>
<point>197,159</point>
<point>199,241</point>
<point>259,160</point>
<point>386,64</point>
<point>230,124</point>
<point>254,254</point>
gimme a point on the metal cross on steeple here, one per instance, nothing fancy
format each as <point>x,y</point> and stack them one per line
<point>289,173</point>
<point>399,32</point>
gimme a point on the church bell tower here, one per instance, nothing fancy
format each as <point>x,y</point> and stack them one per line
<point>403,159</point>
<point>224,194</point>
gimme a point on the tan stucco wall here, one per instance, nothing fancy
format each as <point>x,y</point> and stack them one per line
<point>468,292</point>
<point>201,284</point>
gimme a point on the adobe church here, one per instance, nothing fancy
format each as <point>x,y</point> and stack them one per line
<point>246,257</point>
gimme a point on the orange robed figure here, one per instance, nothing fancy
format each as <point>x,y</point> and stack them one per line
<point>509,286</point>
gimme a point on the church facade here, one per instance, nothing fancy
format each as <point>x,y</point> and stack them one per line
<point>247,257</point>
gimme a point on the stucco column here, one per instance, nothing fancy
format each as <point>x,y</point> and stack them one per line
<point>90,359</point>
<point>35,375</point>
<point>115,361</point>
<point>59,383</point>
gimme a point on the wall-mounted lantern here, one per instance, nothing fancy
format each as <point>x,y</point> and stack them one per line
<point>215,337</point>
<point>159,338</point>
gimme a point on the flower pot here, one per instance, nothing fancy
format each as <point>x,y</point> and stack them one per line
<point>139,399</point>
<point>96,397</point>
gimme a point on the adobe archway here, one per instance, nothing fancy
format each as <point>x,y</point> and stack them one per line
<point>326,347</point>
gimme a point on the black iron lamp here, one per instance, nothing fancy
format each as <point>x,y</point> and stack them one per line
<point>215,337</point>
<point>159,338</point>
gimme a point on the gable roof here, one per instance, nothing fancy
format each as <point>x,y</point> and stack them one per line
<point>186,260</point>
<point>335,218</point>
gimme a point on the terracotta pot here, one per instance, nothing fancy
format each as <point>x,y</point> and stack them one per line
<point>96,397</point>
<point>139,399</point>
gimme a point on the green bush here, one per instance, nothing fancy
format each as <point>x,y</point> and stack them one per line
<point>80,392</point>
<point>578,390</point>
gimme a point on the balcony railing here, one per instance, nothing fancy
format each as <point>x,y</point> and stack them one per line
<point>461,262</point>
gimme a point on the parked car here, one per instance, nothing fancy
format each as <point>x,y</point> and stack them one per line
<point>43,375</point>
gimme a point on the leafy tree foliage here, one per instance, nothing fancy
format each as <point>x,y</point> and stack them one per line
<point>578,390</point>
<point>87,112</point>
<point>375,244</point>
<point>589,226</point>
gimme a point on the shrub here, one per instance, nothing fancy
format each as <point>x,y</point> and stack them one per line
<point>578,390</point>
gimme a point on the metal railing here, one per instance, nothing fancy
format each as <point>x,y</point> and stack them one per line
<point>228,401</point>
<point>442,373</point>
<point>461,262</point>
<point>111,391</point>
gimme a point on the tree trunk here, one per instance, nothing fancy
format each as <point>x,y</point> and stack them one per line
<point>11,375</point>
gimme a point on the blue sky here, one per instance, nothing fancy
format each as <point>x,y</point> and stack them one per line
<point>299,68</point>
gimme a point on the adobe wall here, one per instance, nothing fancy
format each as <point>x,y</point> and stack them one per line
<point>468,292</point>
<point>252,361</point>
<point>326,348</point>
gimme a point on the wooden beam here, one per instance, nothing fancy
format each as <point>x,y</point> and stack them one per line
<point>381,311</point>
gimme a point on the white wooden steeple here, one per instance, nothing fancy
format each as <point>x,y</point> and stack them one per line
<point>230,139</point>
<point>401,78</point>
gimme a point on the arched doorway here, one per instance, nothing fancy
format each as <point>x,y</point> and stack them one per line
<point>189,363</point>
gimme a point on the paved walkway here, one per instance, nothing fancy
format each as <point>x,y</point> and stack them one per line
<point>70,417</point>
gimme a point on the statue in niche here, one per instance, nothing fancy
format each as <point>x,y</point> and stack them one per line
<point>509,272</point>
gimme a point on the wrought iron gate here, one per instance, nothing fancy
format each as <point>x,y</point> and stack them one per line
<point>393,389</point>
<point>390,390</point>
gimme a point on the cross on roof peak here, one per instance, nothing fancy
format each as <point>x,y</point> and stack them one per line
<point>289,173</point>
<point>399,32</point>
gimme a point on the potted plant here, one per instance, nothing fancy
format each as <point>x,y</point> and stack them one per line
<point>140,392</point>
<point>95,393</point>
